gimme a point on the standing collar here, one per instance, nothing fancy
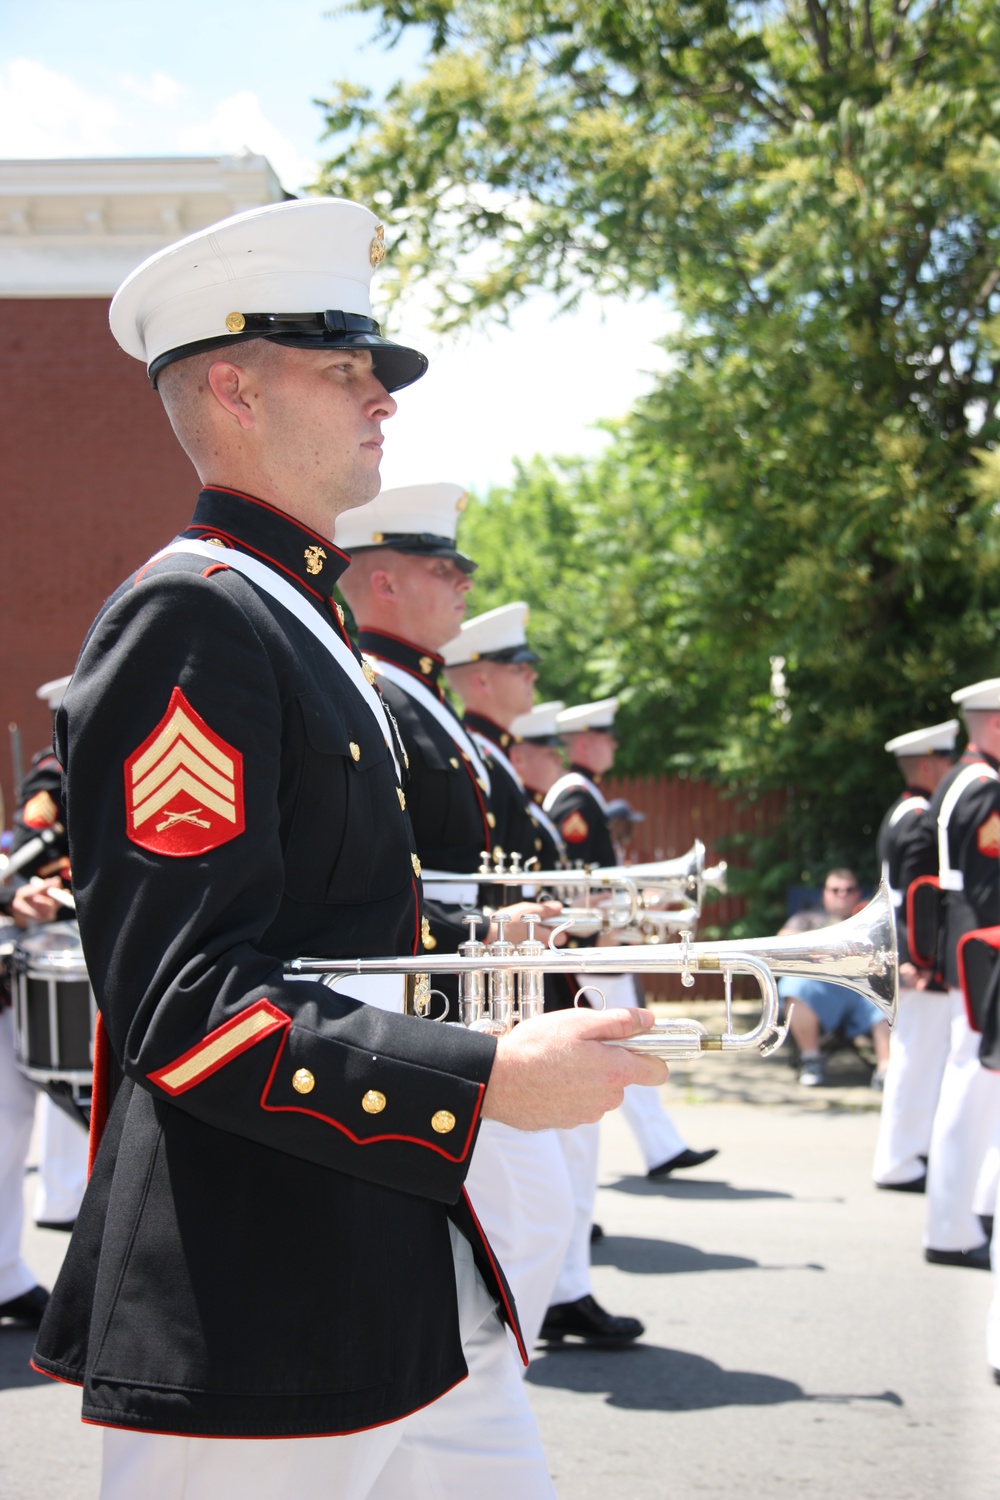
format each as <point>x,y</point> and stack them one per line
<point>972,753</point>
<point>591,776</point>
<point>490,730</point>
<point>257,527</point>
<point>425,665</point>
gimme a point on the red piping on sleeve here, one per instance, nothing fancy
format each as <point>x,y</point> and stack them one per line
<point>62,1379</point>
<point>374,1140</point>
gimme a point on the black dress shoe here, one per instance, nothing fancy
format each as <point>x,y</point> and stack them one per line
<point>64,1224</point>
<point>27,1308</point>
<point>586,1319</point>
<point>977,1259</point>
<point>596,1233</point>
<point>915,1185</point>
<point>682,1160</point>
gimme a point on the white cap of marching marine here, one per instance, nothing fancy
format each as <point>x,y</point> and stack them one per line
<point>498,635</point>
<point>538,724</point>
<point>52,692</point>
<point>599,715</point>
<point>416,518</point>
<point>980,695</point>
<point>297,273</point>
<point>938,738</point>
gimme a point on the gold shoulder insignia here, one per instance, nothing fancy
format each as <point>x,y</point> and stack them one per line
<point>315,558</point>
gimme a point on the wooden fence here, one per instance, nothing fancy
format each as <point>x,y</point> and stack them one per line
<point>677,812</point>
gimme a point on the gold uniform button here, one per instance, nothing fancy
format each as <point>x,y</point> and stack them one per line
<point>369,673</point>
<point>402,797</point>
<point>491,819</point>
<point>443,1121</point>
<point>355,751</point>
<point>373,1103</point>
<point>214,541</point>
<point>302,1081</point>
<point>538,845</point>
<point>454,763</point>
<point>340,613</point>
<point>426,936</point>
<point>415,862</point>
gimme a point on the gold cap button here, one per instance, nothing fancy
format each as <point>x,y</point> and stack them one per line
<point>373,1103</point>
<point>302,1081</point>
<point>443,1121</point>
<point>355,751</point>
<point>235,322</point>
<point>491,820</point>
<point>402,797</point>
<point>414,861</point>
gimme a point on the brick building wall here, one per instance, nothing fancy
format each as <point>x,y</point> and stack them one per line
<point>93,481</point>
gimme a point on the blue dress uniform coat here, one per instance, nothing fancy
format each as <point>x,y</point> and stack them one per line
<point>516,830</point>
<point>974,850</point>
<point>281,1162</point>
<point>450,811</point>
<point>896,828</point>
<point>580,817</point>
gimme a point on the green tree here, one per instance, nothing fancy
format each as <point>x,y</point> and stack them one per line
<point>815,183</point>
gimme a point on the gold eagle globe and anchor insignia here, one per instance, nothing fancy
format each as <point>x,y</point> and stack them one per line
<point>315,558</point>
<point>376,250</point>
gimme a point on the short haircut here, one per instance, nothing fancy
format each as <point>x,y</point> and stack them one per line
<point>841,873</point>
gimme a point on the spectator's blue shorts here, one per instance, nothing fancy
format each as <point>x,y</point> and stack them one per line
<point>838,1009</point>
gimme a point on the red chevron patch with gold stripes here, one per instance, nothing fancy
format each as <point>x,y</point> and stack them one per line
<point>183,786</point>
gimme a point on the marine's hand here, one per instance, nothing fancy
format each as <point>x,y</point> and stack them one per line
<point>516,930</point>
<point>556,1070</point>
<point>32,903</point>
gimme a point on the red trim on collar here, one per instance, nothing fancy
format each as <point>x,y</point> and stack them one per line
<point>238,544</point>
<point>410,645</point>
<point>427,682</point>
<point>223,489</point>
<point>372,1140</point>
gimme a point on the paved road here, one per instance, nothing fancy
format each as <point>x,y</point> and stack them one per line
<point>797,1344</point>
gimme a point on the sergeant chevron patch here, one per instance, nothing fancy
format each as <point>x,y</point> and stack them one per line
<point>183,786</point>
<point>574,828</point>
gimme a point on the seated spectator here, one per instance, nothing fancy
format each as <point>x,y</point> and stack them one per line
<point>822,1008</point>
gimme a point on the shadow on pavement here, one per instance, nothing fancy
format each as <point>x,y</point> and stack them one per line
<point>645,1377</point>
<point>691,1188</point>
<point>16,1345</point>
<point>662,1257</point>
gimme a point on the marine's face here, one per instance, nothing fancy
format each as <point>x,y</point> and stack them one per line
<point>539,766</point>
<point>321,413</point>
<point>432,593</point>
<point>512,686</point>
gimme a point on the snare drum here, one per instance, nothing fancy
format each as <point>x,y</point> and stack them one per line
<point>55,1015</point>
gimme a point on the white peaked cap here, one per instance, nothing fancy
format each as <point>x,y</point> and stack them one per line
<point>498,635</point>
<point>52,692</point>
<point>599,715</point>
<point>306,257</point>
<point>979,695</point>
<point>418,518</point>
<point>539,723</point>
<point>925,741</point>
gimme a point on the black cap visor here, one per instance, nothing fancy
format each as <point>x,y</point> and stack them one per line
<point>420,544</point>
<point>395,365</point>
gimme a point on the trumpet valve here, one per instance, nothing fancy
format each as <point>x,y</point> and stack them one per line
<point>530,982</point>
<point>485,867</point>
<point>502,982</point>
<point>472,982</point>
<point>499,860</point>
<point>515,863</point>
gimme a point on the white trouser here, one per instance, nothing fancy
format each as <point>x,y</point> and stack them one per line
<point>657,1136</point>
<point>62,1164</point>
<point>17,1112</point>
<point>966,1122</point>
<point>988,1183</point>
<point>520,1188</point>
<point>993,1316</point>
<point>479,1439</point>
<point>579,1147</point>
<point>918,1051</point>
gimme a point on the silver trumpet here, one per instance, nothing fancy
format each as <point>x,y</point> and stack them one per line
<point>502,983</point>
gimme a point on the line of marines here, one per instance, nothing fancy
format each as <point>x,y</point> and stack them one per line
<point>246,785</point>
<point>939,851</point>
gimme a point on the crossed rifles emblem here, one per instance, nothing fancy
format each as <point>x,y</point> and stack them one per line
<point>173,818</point>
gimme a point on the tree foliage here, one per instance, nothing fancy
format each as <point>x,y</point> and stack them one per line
<point>815,183</point>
